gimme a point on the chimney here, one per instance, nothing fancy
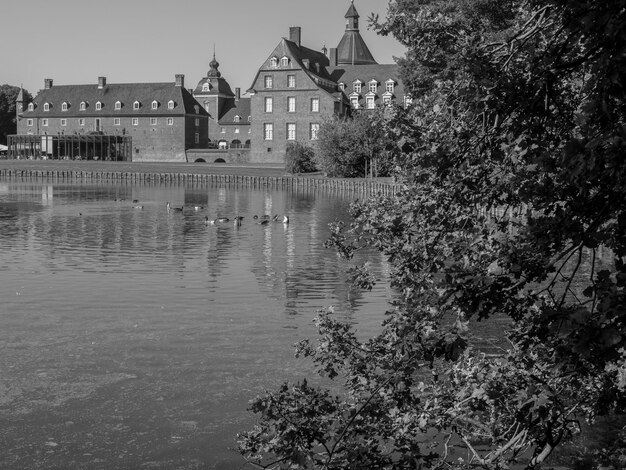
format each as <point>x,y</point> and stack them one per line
<point>180,80</point>
<point>237,94</point>
<point>295,34</point>
<point>47,83</point>
<point>333,57</point>
<point>102,82</point>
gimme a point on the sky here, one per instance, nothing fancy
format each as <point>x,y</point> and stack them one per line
<point>134,41</point>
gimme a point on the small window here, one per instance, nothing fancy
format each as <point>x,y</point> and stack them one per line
<point>274,62</point>
<point>373,86</point>
<point>83,106</point>
<point>291,81</point>
<point>118,105</point>
<point>291,104</point>
<point>342,86</point>
<point>197,138</point>
<point>314,130</point>
<point>98,106</point>
<point>389,85</point>
<point>206,86</point>
<point>284,62</point>
<point>407,101</point>
<point>63,122</point>
<point>369,102</point>
<point>354,102</point>
<point>315,105</point>
<point>81,122</point>
<point>116,121</point>
<point>29,122</point>
<point>46,106</point>
<point>268,81</point>
<point>170,121</point>
<point>236,130</point>
<point>170,104</point>
<point>269,104</point>
<point>223,130</point>
<point>31,107</point>
<point>44,122</point>
<point>268,131</point>
<point>155,104</point>
<point>136,105</point>
<point>135,121</point>
<point>356,87</point>
<point>197,122</point>
<point>237,119</point>
<point>153,121</point>
<point>64,106</point>
<point>387,100</point>
<point>249,118</point>
<point>291,131</point>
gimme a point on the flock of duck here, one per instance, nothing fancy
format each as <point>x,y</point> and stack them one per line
<point>260,220</point>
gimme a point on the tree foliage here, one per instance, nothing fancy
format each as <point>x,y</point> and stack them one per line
<point>355,146</point>
<point>511,210</point>
<point>299,158</point>
<point>8,122</point>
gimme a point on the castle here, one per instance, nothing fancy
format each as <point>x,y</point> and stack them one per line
<point>292,92</point>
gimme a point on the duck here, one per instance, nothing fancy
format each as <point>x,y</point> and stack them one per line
<point>135,201</point>
<point>223,219</point>
<point>237,220</point>
<point>137,207</point>
<point>198,208</point>
<point>286,219</point>
<point>175,209</point>
<point>208,221</point>
<point>275,218</point>
<point>263,221</point>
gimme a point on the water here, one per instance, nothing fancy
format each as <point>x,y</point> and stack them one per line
<point>134,338</point>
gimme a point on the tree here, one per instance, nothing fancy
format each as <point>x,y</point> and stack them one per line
<point>513,179</point>
<point>354,147</point>
<point>8,122</point>
<point>299,158</point>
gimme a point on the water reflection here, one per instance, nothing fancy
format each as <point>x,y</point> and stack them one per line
<point>148,330</point>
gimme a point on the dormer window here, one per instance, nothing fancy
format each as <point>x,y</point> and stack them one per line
<point>369,101</point>
<point>237,118</point>
<point>389,85</point>
<point>118,105</point>
<point>284,62</point>
<point>83,106</point>
<point>155,104</point>
<point>356,86</point>
<point>31,107</point>
<point>342,86</point>
<point>170,104</point>
<point>136,105</point>
<point>46,106</point>
<point>206,87</point>
<point>373,86</point>
<point>274,62</point>
<point>98,106</point>
<point>64,106</point>
<point>249,118</point>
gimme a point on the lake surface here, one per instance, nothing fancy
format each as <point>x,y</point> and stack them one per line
<point>135,337</point>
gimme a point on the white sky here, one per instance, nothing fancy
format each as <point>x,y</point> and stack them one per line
<point>130,41</point>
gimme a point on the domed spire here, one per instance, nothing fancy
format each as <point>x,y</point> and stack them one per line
<point>213,66</point>
<point>352,49</point>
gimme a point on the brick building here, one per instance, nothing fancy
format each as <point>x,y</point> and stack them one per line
<point>136,121</point>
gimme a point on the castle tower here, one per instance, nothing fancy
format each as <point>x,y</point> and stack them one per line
<point>19,105</point>
<point>352,49</point>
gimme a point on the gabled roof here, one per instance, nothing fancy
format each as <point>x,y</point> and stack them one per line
<point>348,74</point>
<point>352,50</point>
<point>126,93</point>
<point>234,108</point>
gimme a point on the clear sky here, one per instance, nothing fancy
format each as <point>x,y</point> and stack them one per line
<point>130,41</point>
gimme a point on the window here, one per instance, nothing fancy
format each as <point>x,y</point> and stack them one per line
<point>284,62</point>
<point>356,87</point>
<point>291,104</point>
<point>269,104</point>
<point>223,130</point>
<point>118,105</point>
<point>206,87</point>
<point>64,106</point>
<point>269,81</point>
<point>81,122</point>
<point>44,122</point>
<point>249,118</point>
<point>155,104</point>
<point>135,121</point>
<point>83,106</point>
<point>31,107</point>
<point>170,104</point>
<point>237,119</point>
<point>274,62</point>
<point>236,130</point>
<point>291,81</point>
<point>342,86</point>
<point>373,86</point>
<point>136,105</point>
<point>354,102</point>
<point>389,84</point>
<point>387,100</point>
<point>315,105</point>
<point>46,106</point>
<point>153,121</point>
<point>98,106</point>
<point>197,122</point>
<point>268,131</point>
<point>197,138</point>
<point>291,131</point>
<point>314,130</point>
<point>407,101</point>
<point>29,122</point>
<point>116,121</point>
<point>63,122</point>
<point>369,102</point>
<point>170,121</point>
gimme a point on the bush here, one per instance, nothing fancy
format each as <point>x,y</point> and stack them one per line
<point>299,158</point>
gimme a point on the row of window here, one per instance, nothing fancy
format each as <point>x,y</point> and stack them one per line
<point>284,62</point>
<point>236,130</point>
<point>116,122</point>
<point>357,85</point>
<point>268,81</point>
<point>370,101</point>
<point>99,105</point>
<point>291,104</point>
<point>268,130</point>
